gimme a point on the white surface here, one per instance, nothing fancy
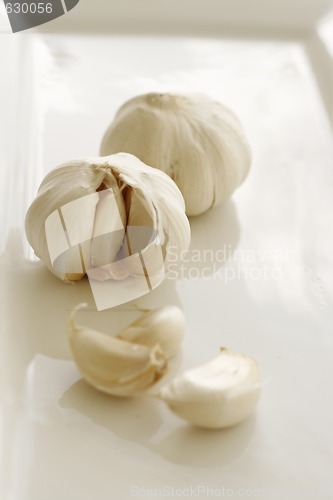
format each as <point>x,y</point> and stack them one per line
<point>272,299</point>
<point>185,16</point>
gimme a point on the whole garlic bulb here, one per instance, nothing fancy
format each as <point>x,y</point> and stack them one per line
<point>196,140</point>
<point>91,214</point>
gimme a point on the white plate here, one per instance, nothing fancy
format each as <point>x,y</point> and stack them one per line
<point>271,299</point>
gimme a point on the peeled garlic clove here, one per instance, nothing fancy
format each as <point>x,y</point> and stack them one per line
<point>218,394</point>
<point>162,200</point>
<point>108,234</point>
<point>112,365</point>
<point>196,140</point>
<point>90,213</point>
<point>164,326</point>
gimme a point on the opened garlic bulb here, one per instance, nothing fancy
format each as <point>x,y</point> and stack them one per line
<point>217,394</point>
<point>94,214</point>
<point>197,141</point>
<point>112,365</point>
<point>164,326</point>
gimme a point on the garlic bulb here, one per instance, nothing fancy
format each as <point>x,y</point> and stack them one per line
<point>217,394</point>
<point>112,365</point>
<point>196,140</point>
<point>110,217</point>
<point>164,326</point>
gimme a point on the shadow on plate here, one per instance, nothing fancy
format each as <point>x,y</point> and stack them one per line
<point>132,419</point>
<point>141,421</point>
<point>196,447</point>
<point>214,237</point>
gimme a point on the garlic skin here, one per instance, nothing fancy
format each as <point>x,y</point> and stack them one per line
<point>92,212</point>
<point>218,394</point>
<point>196,140</point>
<point>164,326</point>
<point>112,365</point>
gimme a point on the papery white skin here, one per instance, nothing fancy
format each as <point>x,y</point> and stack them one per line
<point>218,394</point>
<point>164,326</point>
<point>151,199</point>
<point>112,365</point>
<point>197,141</point>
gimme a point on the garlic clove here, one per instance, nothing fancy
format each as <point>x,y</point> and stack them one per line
<point>163,200</point>
<point>218,394</point>
<point>43,215</point>
<point>197,141</point>
<point>112,365</point>
<point>109,226</point>
<point>164,326</point>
